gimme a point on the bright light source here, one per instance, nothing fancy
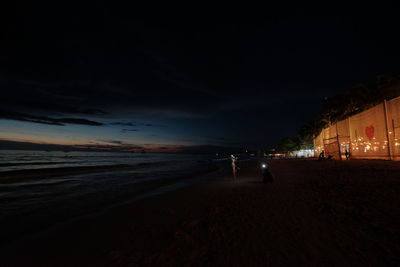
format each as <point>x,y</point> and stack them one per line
<point>264,165</point>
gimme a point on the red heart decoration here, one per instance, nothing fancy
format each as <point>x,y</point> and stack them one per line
<point>369,132</point>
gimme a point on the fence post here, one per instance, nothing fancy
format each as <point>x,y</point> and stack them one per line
<point>350,146</point>
<point>387,129</point>
<point>394,136</point>
<point>338,141</point>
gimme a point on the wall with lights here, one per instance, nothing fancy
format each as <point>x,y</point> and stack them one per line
<point>371,134</point>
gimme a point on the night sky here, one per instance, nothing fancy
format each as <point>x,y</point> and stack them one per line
<point>99,75</point>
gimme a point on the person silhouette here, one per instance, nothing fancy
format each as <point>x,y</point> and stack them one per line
<point>266,174</point>
<point>234,166</point>
<point>347,154</point>
<point>321,155</point>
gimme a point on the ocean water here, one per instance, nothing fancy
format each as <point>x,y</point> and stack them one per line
<point>31,205</point>
<point>21,160</point>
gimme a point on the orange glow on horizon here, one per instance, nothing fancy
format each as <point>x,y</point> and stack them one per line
<point>105,146</point>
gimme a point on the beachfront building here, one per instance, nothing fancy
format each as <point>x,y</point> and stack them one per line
<point>371,134</point>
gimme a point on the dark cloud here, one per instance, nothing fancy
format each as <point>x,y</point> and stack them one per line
<point>79,121</point>
<point>129,130</point>
<point>46,120</point>
<point>99,99</point>
<point>92,111</point>
<point>28,118</point>
<point>134,124</point>
<point>154,125</point>
<point>115,142</point>
<point>61,97</point>
<point>123,123</point>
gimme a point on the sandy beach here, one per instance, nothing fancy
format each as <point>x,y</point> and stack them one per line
<point>331,213</point>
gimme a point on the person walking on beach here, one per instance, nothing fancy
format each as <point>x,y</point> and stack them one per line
<point>321,155</point>
<point>347,154</point>
<point>234,166</point>
<point>266,174</point>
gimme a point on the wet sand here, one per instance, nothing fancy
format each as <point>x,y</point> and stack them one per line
<point>332,213</point>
